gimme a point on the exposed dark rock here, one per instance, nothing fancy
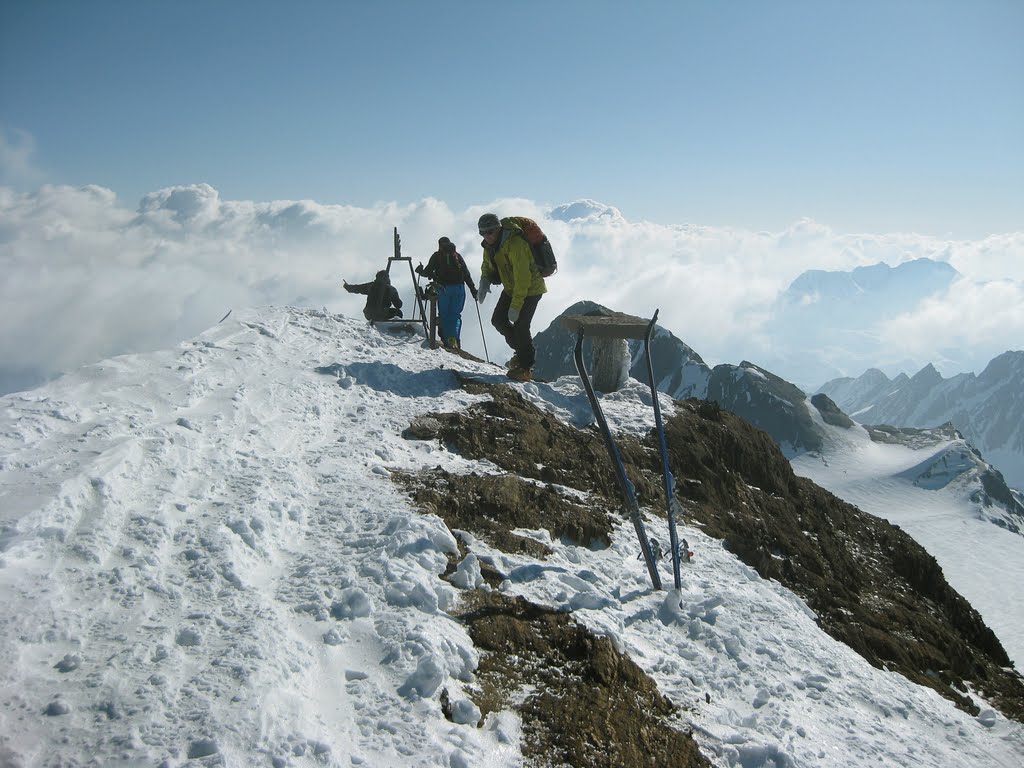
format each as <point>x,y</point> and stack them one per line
<point>768,402</point>
<point>871,585</point>
<point>422,428</point>
<point>911,437</point>
<point>56,708</point>
<point>830,412</point>
<point>491,506</point>
<point>590,705</point>
<point>997,490</point>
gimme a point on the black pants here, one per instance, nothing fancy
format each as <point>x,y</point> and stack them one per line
<point>518,335</point>
<point>389,314</point>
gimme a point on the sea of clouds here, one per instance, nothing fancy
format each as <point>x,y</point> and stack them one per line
<point>87,276</point>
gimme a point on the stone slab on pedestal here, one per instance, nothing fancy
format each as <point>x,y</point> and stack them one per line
<point>610,351</point>
<point>614,326</point>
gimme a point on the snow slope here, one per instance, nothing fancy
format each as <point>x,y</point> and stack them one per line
<point>902,484</point>
<point>204,559</point>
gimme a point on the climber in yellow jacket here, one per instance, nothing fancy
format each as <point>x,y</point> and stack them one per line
<point>508,261</point>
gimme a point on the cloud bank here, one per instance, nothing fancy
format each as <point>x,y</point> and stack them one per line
<point>86,277</point>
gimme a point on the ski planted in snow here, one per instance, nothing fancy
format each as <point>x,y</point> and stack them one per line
<point>631,506</point>
<point>670,485</point>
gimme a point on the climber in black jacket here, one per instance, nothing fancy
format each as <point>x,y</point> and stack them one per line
<point>382,300</point>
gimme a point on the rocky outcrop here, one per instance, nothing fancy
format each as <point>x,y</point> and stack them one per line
<point>869,583</point>
<point>768,402</point>
<point>830,412</point>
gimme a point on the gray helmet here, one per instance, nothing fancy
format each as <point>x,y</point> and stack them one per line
<point>488,221</point>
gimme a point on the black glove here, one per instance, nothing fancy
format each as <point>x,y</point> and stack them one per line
<point>472,292</point>
<point>419,269</point>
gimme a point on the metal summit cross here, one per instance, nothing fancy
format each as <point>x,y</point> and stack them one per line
<point>418,297</point>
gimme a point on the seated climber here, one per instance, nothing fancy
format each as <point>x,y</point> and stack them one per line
<point>382,300</point>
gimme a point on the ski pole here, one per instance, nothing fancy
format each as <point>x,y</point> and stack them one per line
<point>481,323</point>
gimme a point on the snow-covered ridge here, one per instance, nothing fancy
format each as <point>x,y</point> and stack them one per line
<point>203,557</point>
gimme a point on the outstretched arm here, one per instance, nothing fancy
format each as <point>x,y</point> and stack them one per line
<point>363,288</point>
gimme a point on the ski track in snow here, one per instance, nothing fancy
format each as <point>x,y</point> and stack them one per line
<point>204,559</point>
<point>196,522</point>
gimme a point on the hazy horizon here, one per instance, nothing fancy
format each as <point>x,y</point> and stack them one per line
<point>88,277</point>
<point>161,163</point>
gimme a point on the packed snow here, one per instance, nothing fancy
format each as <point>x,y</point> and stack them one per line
<point>204,558</point>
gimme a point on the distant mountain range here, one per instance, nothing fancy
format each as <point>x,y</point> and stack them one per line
<point>794,420</point>
<point>830,321</point>
<point>988,408</point>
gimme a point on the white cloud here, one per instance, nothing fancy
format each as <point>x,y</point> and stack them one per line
<point>997,257</point>
<point>86,277</point>
<point>967,318</point>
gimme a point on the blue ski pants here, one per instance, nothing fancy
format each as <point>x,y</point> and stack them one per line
<point>451,299</point>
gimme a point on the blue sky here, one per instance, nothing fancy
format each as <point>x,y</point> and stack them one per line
<point>867,116</point>
<point>164,162</point>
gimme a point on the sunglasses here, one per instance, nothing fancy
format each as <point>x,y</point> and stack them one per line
<point>490,231</point>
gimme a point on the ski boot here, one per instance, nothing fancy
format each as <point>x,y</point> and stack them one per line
<point>520,374</point>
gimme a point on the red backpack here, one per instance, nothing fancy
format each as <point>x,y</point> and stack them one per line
<point>543,255</point>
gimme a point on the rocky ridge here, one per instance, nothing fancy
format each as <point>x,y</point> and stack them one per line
<point>871,585</point>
